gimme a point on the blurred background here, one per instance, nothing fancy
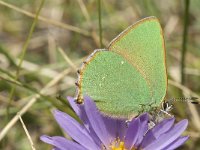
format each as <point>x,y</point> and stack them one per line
<point>42,56</point>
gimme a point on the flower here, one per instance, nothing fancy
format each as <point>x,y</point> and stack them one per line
<point>98,132</point>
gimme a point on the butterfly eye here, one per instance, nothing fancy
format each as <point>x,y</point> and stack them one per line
<point>165,105</point>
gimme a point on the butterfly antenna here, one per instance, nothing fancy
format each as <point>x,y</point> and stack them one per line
<point>193,100</point>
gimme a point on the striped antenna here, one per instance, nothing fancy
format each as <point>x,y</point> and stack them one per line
<point>193,100</point>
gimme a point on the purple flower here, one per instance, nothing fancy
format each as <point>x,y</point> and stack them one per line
<point>97,132</point>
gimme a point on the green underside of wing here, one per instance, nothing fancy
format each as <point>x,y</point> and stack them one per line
<point>114,84</point>
<point>142,45</point>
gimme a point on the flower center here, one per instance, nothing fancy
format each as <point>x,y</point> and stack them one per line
<point>118,145</point>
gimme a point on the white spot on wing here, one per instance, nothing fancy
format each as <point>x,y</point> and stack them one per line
<point>100,85</point>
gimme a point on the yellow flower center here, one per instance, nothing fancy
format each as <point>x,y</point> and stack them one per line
<point>118,146</point>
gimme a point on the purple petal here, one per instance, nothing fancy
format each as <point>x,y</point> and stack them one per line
<point>78,108</point>
<point>132,133</point>
<point>96,121</point>
<point>80,111</point>
<point>55,148</point>
<point>144,118</point>
<point>115,127</point>
<point>178,142</point>
<point>156,131</point>
<point>73,104</point>
<point>122,127</point>
<point>111,125</point>
<point>75,130</point>
<point>149,137</point>
<point>169,137</point>
<point>61,143</point>
<point>163,127</point>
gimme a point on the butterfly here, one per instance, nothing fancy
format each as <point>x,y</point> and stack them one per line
<point>130,75</point>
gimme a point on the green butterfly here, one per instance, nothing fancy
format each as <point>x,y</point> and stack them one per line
<point>129,74</point>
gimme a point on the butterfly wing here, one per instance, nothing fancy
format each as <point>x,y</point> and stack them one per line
<point>142,45</point>
<point>113,83</point>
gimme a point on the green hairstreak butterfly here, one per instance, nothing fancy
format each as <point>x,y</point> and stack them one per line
<point>129,74</point>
